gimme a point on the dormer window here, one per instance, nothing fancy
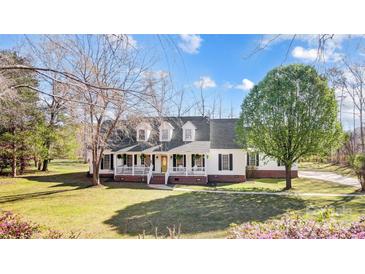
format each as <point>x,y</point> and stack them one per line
<point>143,132</point>
<point>141,135</point>
<point>188,132</point>
<point>166,132</point>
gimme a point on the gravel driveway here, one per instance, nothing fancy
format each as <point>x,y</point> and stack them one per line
<point>329,176</point>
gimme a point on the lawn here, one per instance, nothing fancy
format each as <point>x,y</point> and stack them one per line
<point>342,170</point>
<point>62,199</point>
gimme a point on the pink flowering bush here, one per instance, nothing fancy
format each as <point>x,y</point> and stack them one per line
<point>296,227</point>
<point>12,227</point>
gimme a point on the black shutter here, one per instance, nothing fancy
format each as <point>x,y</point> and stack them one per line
<point>248,159</point>
<point>192,160</point>
<point>124,159</point>
<point>111,161</point>
<point>153,162</point>
<point>257,159</point>
<point>203,160</point>
<point>102,162</point>
<point>230,161</point>
<point>135,159</point>
<point>219,161</point>
<point>174,160</point>
<point>184,160</point>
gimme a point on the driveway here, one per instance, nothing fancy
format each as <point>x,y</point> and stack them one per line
<point>330,177</point>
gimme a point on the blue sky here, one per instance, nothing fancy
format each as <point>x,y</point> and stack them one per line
<point>225,65</point>
<point>222,64</point>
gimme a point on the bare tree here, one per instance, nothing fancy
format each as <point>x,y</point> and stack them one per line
<point>104,75</point>
<point>351,79</point>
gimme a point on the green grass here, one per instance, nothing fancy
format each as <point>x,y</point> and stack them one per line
<point>62,199</point>
<point>299,185</point>
<point>342,170</point>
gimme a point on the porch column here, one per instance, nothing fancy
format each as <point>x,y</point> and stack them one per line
<point>133,164</point>
<point>205,164</point>
<point>186,164</point>
<point>115,162</point>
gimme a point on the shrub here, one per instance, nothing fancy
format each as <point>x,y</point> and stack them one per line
<point>296,227</point>
<point>359,166</point>
<point>12,227</point>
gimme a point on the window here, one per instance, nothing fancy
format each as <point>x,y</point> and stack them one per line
<point>252,159</point>
<point>197,160</point>
<point>164,134</point>
<point>281,163</point>
<point>179,160</point>
<point>142,160</point>
<point>141,135</point>
<point>106,162</point>
<point>188,134</point>
<point>225,161</point>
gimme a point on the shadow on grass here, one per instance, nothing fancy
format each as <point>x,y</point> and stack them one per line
<point>80,180</point>
<point>26,196</point>
<point>200,212</point>
<point>76,179</point>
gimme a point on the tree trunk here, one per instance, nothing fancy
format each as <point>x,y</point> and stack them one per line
<point>362,133</point>
<point>22,165</point>
<point>288,177</point>
<point>96,177</point>
<point>45,165</point>
<point>13,164</point>
<point>39,165</point>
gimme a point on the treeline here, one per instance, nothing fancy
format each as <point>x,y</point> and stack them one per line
<point>30,133</point>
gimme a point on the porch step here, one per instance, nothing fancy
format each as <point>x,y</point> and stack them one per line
<point>157,179</point>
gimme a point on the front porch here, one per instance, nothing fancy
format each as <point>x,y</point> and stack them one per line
<point>150,168</point>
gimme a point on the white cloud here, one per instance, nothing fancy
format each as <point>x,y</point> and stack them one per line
<point>305,54</point>
<point>190,43</point>
<point>245,85</point>
<point>157,74</point>
<point>311,54</point>
<point>309,43</point>
<point>228,85</point>
<point>127,40</point>
<point>205,82</point>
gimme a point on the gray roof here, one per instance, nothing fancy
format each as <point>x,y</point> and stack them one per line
<point>210,133</point>
<point>222,134</point>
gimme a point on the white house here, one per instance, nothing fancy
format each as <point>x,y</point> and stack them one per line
<point>188,150</point>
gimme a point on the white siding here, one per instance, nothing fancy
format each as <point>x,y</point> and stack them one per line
<point>239,162</point>
<point>271,164</point>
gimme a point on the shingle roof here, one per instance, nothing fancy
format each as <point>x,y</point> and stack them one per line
<point>222,134</point>
<point>210,133</point>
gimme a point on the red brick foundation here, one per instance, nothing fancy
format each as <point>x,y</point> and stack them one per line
<point>158,179</point>
<point>130,178</point>
<point>270,174</point>
<point>88,174</point>
<point>226,178</point>
<point>188,180</point>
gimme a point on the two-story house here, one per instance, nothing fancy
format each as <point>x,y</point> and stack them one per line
<point>185,150</point>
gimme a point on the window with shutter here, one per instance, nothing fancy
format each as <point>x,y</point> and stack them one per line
<point>253,159</point>
<point>225,162</point>
<point>106,163</point>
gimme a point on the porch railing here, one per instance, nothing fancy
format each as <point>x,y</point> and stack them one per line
<point>187,171</point>
<point>132,170</point>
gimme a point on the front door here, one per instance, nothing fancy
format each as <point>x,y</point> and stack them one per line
<point>163,163</point>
